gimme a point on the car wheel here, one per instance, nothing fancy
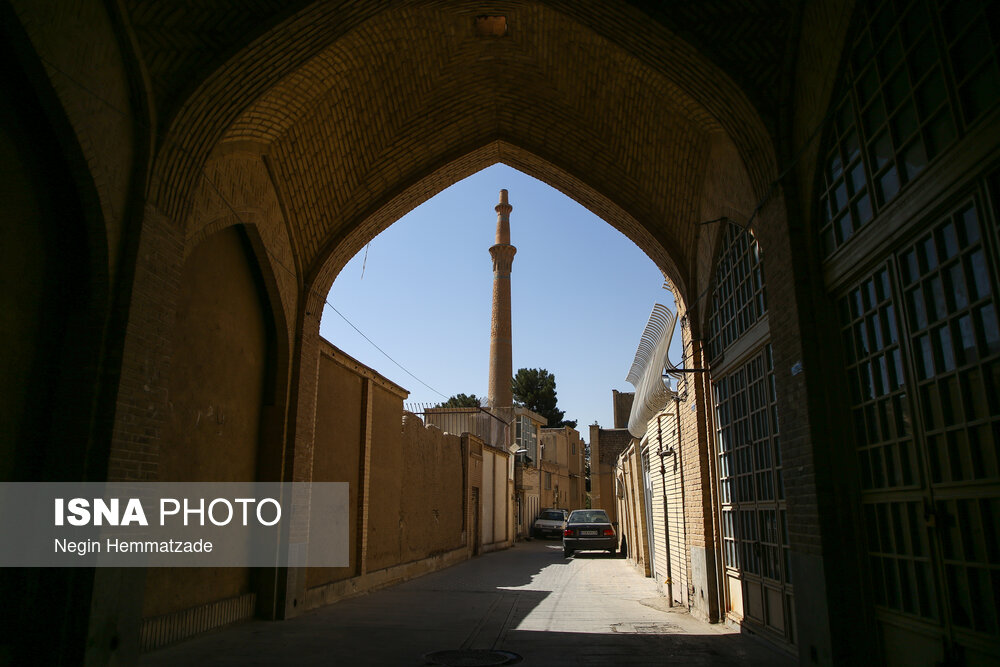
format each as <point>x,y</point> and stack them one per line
<point>567,552</point>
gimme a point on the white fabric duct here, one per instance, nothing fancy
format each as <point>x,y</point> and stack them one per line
<point>646,375</point>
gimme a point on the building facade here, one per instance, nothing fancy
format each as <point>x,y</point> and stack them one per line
<point>652,506</point>
<point>563,483</point>
<point>527,472</point>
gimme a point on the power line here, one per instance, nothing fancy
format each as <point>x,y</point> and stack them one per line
<point>383,351</point>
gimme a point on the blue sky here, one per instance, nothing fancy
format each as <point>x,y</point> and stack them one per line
<point>581,293</point>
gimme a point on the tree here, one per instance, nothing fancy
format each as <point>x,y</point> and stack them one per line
<point>535,389</point>
<point>460,401</point>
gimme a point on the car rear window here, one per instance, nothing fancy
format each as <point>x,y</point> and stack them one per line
<point>552,516</point>
<point>589,516</point>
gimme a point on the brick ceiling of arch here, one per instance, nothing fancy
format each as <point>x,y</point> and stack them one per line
<point>367,113</point>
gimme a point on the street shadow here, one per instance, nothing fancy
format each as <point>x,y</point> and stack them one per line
<point>596,554</point>
<point>481,603</point>
<point>661,645</point>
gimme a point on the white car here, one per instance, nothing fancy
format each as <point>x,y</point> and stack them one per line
<point>550,522</point>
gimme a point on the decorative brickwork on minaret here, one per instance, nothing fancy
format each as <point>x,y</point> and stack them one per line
<point>501,363</point>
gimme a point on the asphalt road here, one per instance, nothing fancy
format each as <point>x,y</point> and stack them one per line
<point>528,600</point>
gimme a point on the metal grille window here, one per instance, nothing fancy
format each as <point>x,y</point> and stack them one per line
<point>953,328</point>
<point>951,313</point>
<point>881,413</point>
<point>749,549</point>
<point>729,539</point>
<point>740,299</point>
<point>526,437</point>
<point>922,339</point>
<point>754,524</point>
<point>724,443</point>
<point>909,62</point>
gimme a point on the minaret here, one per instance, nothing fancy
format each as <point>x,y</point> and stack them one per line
<point>501,363</point>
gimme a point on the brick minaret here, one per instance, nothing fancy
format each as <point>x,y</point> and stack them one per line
<point>501,363</point>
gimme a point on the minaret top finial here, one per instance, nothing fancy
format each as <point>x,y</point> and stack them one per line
<point>503,210</point>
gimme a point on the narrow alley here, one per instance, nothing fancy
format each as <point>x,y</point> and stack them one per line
<point>527,600</point>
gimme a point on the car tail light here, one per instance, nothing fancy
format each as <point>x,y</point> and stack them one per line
<point>609,532</point>
<point>568,532</point>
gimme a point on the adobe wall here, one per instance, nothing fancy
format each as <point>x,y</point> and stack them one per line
<point>631,509</point>
<point>621,402</point>
<point>407,513</point>
<point>496,518</point>
<point>340,428</point>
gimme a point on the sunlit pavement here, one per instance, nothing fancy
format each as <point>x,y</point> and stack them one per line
<point>528,600</point>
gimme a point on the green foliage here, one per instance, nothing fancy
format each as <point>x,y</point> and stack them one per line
<point>460,401</point>
<point>535,389</point>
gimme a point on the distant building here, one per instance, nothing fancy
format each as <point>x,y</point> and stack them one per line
<point>622,405</point>
<point>490,428</point>
<point>563,469</point>
<point>527,471</point>
<point>605,446</point>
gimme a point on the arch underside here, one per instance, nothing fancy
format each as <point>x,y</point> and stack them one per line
<point>406,103</point>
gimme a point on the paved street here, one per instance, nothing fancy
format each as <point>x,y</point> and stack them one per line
<point>529,600</point>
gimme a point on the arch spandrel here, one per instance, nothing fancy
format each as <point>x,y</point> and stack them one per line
<point>424,51</point>
<point>579,109</point>
<point>567,84</point>
<point>339,250</point>
<point>236,189</point>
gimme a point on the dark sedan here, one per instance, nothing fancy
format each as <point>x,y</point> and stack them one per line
<point>588,530</point>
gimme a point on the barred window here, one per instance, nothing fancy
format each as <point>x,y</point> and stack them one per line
<point>526,436</point>
<point>755,545</point>
<point>750,471</point>
<point>919,74</point>
<point>923,361</point>
<point>740,299</point>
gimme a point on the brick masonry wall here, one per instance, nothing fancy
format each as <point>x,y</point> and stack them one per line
<point>236,188</point>
<point>622,402</point>
<point>143,391</point>
<point>88,71</point>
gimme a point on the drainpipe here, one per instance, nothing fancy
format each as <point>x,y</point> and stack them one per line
<point>680,464</point>
<point>669,580</point>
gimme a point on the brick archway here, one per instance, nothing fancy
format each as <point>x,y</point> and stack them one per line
<point>356,116</point>
<point>341,127</point>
